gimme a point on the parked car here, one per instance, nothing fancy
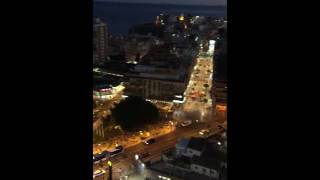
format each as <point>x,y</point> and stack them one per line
<point>186,123</point>
<point>150,141</point>
<point>98,173</point>
<point>118,150</point>
<point>119,147</point>
<point>220,127</point>
<point>204,132</point>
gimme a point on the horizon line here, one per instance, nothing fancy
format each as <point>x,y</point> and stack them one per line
<point>158,3</point>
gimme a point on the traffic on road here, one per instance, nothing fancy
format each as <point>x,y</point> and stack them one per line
<point>198,97</point>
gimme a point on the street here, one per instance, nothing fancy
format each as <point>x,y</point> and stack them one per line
<point>126,160</point>
<point>198,100</point>
<point>198,96</point>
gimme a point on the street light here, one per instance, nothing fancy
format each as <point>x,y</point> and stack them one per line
<point>110,170</point>
<point>109,163</point>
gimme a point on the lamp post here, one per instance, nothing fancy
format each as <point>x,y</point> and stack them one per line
<point>110,170</point>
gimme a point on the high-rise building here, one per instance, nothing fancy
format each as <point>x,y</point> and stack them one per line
<point>100,41</point>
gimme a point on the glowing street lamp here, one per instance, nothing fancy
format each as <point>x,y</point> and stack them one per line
<point>110,170</point>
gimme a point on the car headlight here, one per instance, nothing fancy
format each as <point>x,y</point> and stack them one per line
<point>136,156</point>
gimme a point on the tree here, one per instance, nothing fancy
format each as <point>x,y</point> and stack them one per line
<point>133,113</point>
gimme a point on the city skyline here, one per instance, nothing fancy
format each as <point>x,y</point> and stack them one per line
<point>178,2</point>
<point>160,93</point>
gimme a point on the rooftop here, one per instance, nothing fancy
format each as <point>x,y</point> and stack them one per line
<point>213,152</point>
<point>98,22</point>
<point>197,143</point>
<point>209,162</point>
<point>162,57</point>
<point>183,143</point>
<point>182,161</point>
<point>106,81</point>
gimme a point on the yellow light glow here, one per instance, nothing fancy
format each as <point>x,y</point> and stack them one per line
<point>181,18</point>
<point>109,163</point>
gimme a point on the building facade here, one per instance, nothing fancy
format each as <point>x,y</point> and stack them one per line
<point>200,169</point>
<point>150,88</point>
<point>198,156</point>
<point>160,75</point>
<point>100,41</point>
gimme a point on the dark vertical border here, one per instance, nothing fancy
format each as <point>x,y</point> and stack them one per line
<point>48,69</point>
<point>250,94</point>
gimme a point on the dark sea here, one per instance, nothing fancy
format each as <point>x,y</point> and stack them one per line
<point>121,16</point>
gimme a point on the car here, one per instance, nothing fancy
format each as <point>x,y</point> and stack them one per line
<point>186,123</point>
<point>117,150</point>
<point>119,147</point>
<point>103,156</point>
<point>143,138</point>
<point>142,155</point>
<point>150,141</point>
<point>98,173</point>
<point>204,132</point>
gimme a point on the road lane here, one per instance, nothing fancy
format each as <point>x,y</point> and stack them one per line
<point>126,160</point>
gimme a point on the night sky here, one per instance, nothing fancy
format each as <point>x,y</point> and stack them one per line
<point>193,2</point>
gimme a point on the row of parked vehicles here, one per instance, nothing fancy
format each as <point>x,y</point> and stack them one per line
<point>202,132</point>
<point>98,172</point>
<point>104,155</point>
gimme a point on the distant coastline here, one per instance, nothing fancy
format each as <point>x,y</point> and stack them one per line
<point>121,16</point>
<point>158,3</point>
